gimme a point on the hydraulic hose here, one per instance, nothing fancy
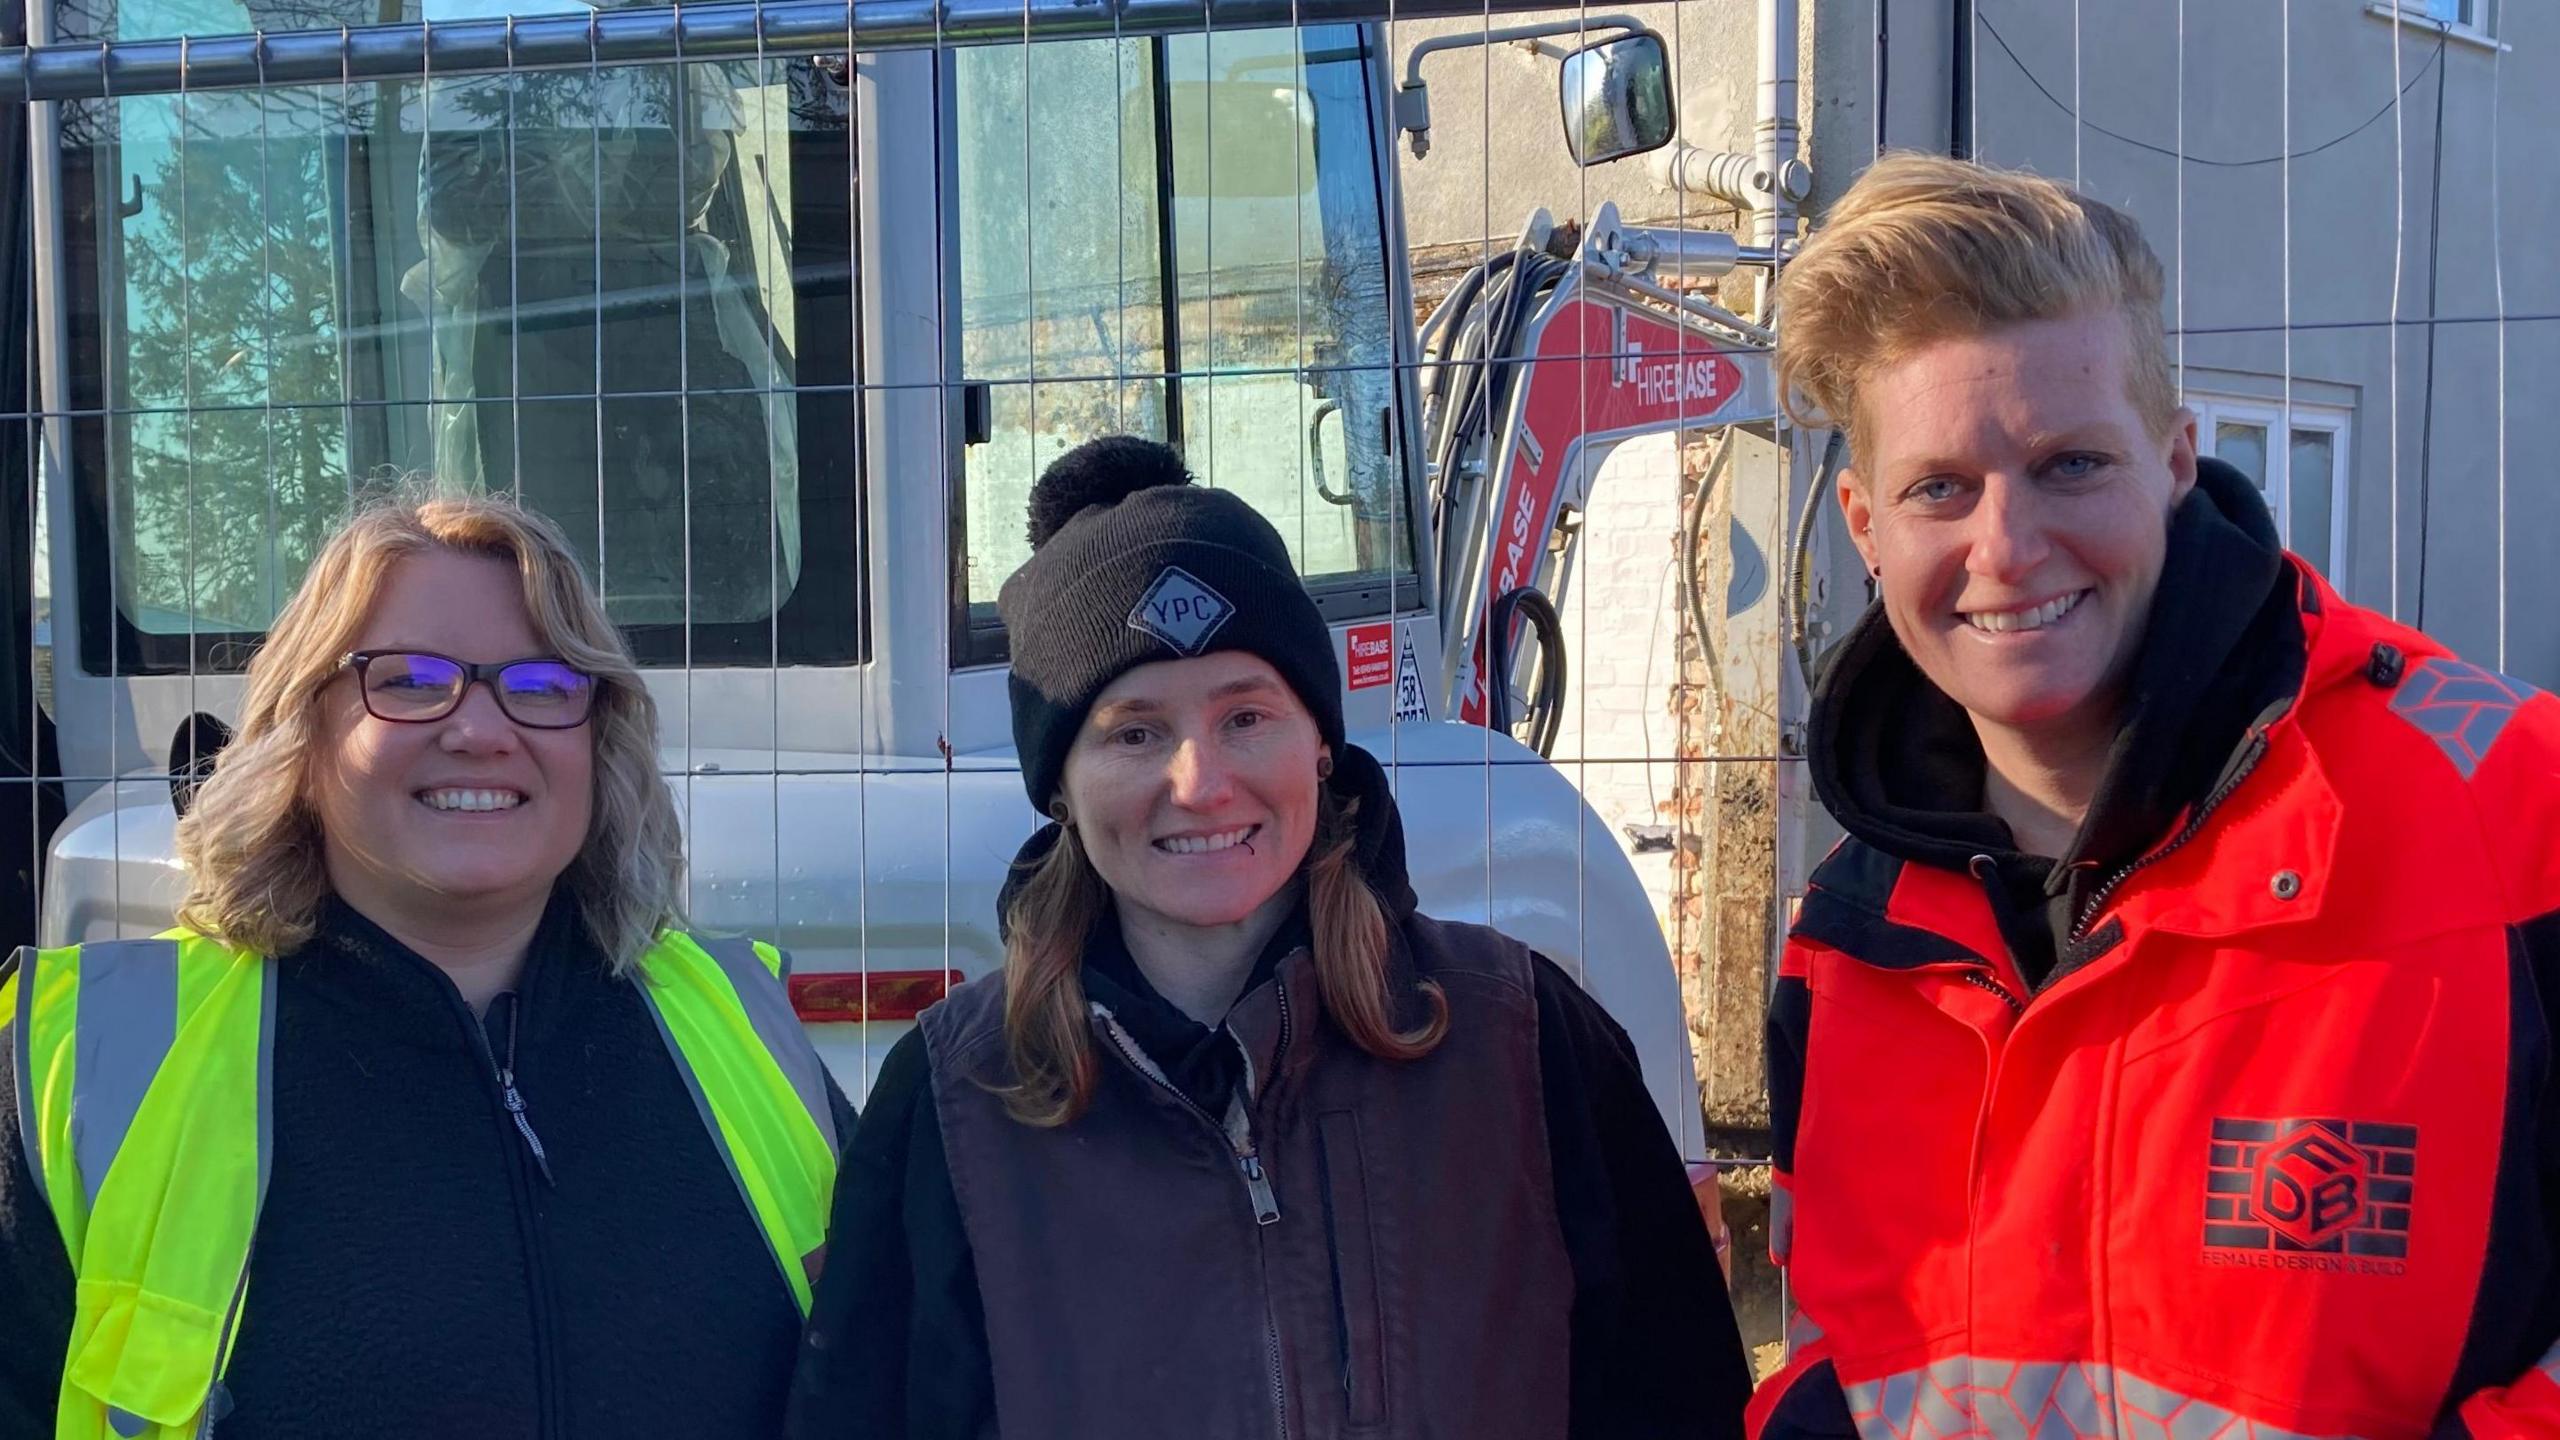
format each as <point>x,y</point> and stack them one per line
<point>1473,379</point>
<point>1692,546</point>
<point>1798,585</point>
<point>1546,712</point>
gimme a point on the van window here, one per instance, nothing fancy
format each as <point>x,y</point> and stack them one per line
<point>1181,238</point>
<point>622,295</point>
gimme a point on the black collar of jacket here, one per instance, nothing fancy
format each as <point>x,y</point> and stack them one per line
<point>386,987</point>
<point>1897,762</point>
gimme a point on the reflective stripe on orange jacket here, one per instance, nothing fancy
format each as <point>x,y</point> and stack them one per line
<point>2279,1161</point>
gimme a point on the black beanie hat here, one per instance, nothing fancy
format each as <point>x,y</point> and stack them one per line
<point>1132,563</point>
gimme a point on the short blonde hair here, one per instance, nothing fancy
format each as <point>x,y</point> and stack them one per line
<point>1923,248</point>
<point>251,841</point>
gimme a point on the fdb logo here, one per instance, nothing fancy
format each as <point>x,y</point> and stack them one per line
<point>2310,1194</point>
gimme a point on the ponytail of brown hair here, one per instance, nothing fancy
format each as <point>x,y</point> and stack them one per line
<point>1049,1038</point>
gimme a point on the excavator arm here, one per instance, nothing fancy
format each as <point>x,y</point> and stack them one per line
<point>1543,361</point>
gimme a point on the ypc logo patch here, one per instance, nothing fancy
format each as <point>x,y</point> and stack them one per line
<point>2310,1194</point>
<point>1180,611</point>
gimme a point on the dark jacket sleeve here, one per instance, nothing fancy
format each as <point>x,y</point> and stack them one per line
<point>1655,1348</point>
<point>2507,1385</point>
<point>35,1275</point>
<point>848,1120</point>
<point>897,1339</point>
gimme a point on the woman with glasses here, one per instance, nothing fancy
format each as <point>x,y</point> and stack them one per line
<point>430,1120</point>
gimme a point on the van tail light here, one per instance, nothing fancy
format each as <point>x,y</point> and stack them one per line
<point>856,995</point>
<point>1710,1198</point>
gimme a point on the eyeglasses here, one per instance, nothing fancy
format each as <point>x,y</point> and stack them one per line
<point>414,687</point>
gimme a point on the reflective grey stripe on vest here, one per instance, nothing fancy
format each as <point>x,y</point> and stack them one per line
<point>126,1021</point>
<point>768,1008</point>
<point>22,1034</point>
<point>754,990</point>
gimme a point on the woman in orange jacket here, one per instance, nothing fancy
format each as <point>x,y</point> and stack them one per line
<point>2168,1048</point>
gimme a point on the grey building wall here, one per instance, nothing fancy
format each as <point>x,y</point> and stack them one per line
<point>2377,203</point>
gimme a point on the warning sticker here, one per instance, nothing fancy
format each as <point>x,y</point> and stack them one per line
<point>1412,702</point>
<point>1368,656</point>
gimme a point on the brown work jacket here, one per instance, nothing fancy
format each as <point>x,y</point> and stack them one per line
<point>1357,1247</point>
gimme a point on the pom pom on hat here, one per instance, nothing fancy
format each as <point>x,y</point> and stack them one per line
<point>1099,472</point>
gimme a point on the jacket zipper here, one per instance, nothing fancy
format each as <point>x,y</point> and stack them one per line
<point>1266,1210</point>
<point>1982,981</point>
<point>545,1367</point>
<point>514,1101</point>
<point>1981,867</point>
<point>1257,1184</point>
<point>2242,765</point>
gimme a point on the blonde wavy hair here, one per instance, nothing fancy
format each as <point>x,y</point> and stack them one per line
<point>251,841</point>
<point>1049,1037</point>
<point>1923,248</point>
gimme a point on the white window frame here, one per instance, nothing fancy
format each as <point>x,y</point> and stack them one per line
<point>2336,421</point>
<point>2444,17</point>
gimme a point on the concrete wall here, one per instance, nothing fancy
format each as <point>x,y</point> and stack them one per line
<point>1497,147</point>
<point>2366,201</point>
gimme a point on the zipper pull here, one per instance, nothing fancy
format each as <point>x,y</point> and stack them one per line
<point>1266,1206</point>
<point>514,1101</point>
<point>515,1109</point>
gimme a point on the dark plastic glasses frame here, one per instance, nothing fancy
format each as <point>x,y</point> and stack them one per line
<point>360,660</point>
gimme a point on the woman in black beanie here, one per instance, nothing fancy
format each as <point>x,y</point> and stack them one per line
<point>1239,1143</point>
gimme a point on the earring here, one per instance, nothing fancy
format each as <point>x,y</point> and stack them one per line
<point>1058,812</point>
<point>1324,767</point>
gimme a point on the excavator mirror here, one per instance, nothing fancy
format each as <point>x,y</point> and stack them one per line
<point>1616,96</point>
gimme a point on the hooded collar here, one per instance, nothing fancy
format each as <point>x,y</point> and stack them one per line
<point>1204,1062</point>
<point>368,973</point>
<point>1898,763</point>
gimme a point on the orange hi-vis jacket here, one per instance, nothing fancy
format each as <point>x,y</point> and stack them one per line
<point>2278,1160</point>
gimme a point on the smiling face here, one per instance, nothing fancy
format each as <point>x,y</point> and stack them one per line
<point>470,814</point>
<point>1193,787</point>
<point>2017,508</point>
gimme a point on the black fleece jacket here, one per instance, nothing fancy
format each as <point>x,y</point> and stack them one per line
<point>897,1346</point>
<point>414,1274</point>
<point>1898,763</point>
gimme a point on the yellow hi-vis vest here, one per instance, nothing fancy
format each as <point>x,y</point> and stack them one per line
<point>144,1101</point>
